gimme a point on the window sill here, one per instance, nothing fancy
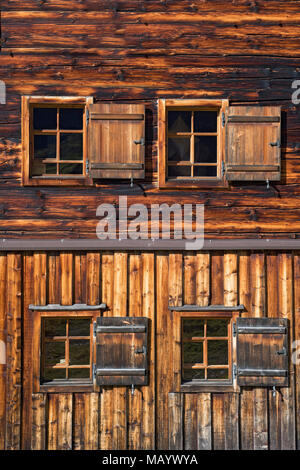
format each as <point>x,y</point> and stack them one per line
<point>194,184</point>
<point>58,181</point>
<point>66,386</point>
<point>215,387</point>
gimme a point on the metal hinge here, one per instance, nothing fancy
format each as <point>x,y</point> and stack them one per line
<point>87,115</point>
<point>95,329</point>
<point>223,120</point>
<point>275,144</point>
<point>94,371</point>
<point>223,169</point>
<point>234,329</point>
<point>234,371</point>
<point>87,166</point>
<point>140,142</point>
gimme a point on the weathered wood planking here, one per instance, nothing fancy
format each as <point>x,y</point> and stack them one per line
<point>116,419</point>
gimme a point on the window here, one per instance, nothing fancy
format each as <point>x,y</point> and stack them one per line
<point>204,350</point>
<point>54,140</point>
<point>63,350</point>
<point>190,142</point>
<point>207,143</point>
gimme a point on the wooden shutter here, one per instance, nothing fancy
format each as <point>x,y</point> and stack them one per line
<point>121,351</point>
<point>116,140</point>
<point>253,143</point>
<point>262,352</point>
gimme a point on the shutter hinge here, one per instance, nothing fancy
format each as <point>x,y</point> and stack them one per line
<point>234,329</point>
<point>87,166</point>
<point>223,119</point>
<point>223,169</point>
<point>87,115</point>
<point>95,329</point>
<point>234,371</point>
<point>94,371</point>
<point>140,142</point>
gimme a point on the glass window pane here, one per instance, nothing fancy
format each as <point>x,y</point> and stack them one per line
<point>54,327</point>
<point>45,118</point>
<point>205,149</point>
<point>202,171</point>
<point>79,327</point>
<point>179,121</point>
<point>217,374</point>
<point>79,373</point>
<point>179,171</point>
<point>178,149</point>
<point>205,121</point>
<point>79,352</point>
<point>193,374</point>
<point>50,169</point>
<point>54,353</point>
<point>71,147</point>
<point>70,169</point>
<point>217,352</point>
<point>217,327</point>
<point>193,353</point>
<point>45,146</point>
<point>192,327</point>
<point>52,374</point>
<point>71,118</point>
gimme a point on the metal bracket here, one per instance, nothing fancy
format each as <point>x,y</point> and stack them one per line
<point>141,351</point>
<point>87,166</point>
<point>132,389</point>
<point>234,329</point>
<point>87,115</point>
<point>282,352</point>
<point>268,184</point>
<point>274,391</point>
<point>275,144</point>
<point>223,120</point>
<point>140,142</point>
<point>95,329</point>
<point>234,371</point>
<point>223,169</point>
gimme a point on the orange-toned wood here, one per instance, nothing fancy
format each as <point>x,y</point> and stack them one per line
<point>66,273</point>
<point>86,421</point>
<point>39,421</point>
<point>59,421</point>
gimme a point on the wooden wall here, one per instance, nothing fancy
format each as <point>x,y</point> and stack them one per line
<point>246,51</point>
<point>154,417</point>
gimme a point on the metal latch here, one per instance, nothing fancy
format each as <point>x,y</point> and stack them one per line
<point>282,352</point>
<point>140,142</point>
<point>275,144</point>
<point>141,351</point>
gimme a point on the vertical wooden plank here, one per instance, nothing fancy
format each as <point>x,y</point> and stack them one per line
<point>286,308</point>
<point>204,438</point>
<point>176,421</point>
<point>231,421</point>
<point>258,306</point>
<point>190,421</point>
<point>217,276</point>
<point>60,421</point>
<point>230,279</point>
<point>163,350</point>
<point>80,282</point>
<point>28,298</point>
<point>246,398</point>
<point>135,418</point>
<point>66,280</point>
<point>189,273</point>
<point>86,421</point>
<point>218,421</point>
<point>107,395</point>
<point>119,427</point>
<point>175,299</point>
<point>3,346</point>
<point>93,278</point>
<point>202,279</point>
<point>296,355</point>
<point>54,278</point>
<point>148,392</point>
<point>38,437</point>
<point>14,356</point>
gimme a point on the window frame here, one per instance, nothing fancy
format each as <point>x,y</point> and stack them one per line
<point>28,103</point>
<point>190,183</point>
<point>86,385</point>
<point>229,385</point>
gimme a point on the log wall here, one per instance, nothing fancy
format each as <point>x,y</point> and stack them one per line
<point>155,416</point>
<point>246,51</point>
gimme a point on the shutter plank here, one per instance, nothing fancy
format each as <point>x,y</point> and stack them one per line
<point>113,130</point>
<point>253,143</point>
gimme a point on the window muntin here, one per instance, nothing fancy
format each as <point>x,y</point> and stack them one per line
<point>192,143</point>
<point>66,349</point>
<point>57,140</point>
<point>206,350</point>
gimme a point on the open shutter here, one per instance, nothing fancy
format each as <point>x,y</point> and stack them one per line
<point>253,143</point>
<point>121,351</point>
<point>262,352</point>
<point>116,140</point>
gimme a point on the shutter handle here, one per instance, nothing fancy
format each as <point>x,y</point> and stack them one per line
<point>282,352</point>
<point>141,351</point>
<point>275,144</point>
<point>141,142</point>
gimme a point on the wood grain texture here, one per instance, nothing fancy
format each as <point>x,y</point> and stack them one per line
<point>176,403</point>
<point>60,421</point>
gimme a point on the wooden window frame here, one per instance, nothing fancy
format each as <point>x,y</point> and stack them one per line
<point>190,183</point>
<point>229,385</point>
<point>28,103</point>
<point>86,385</point>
